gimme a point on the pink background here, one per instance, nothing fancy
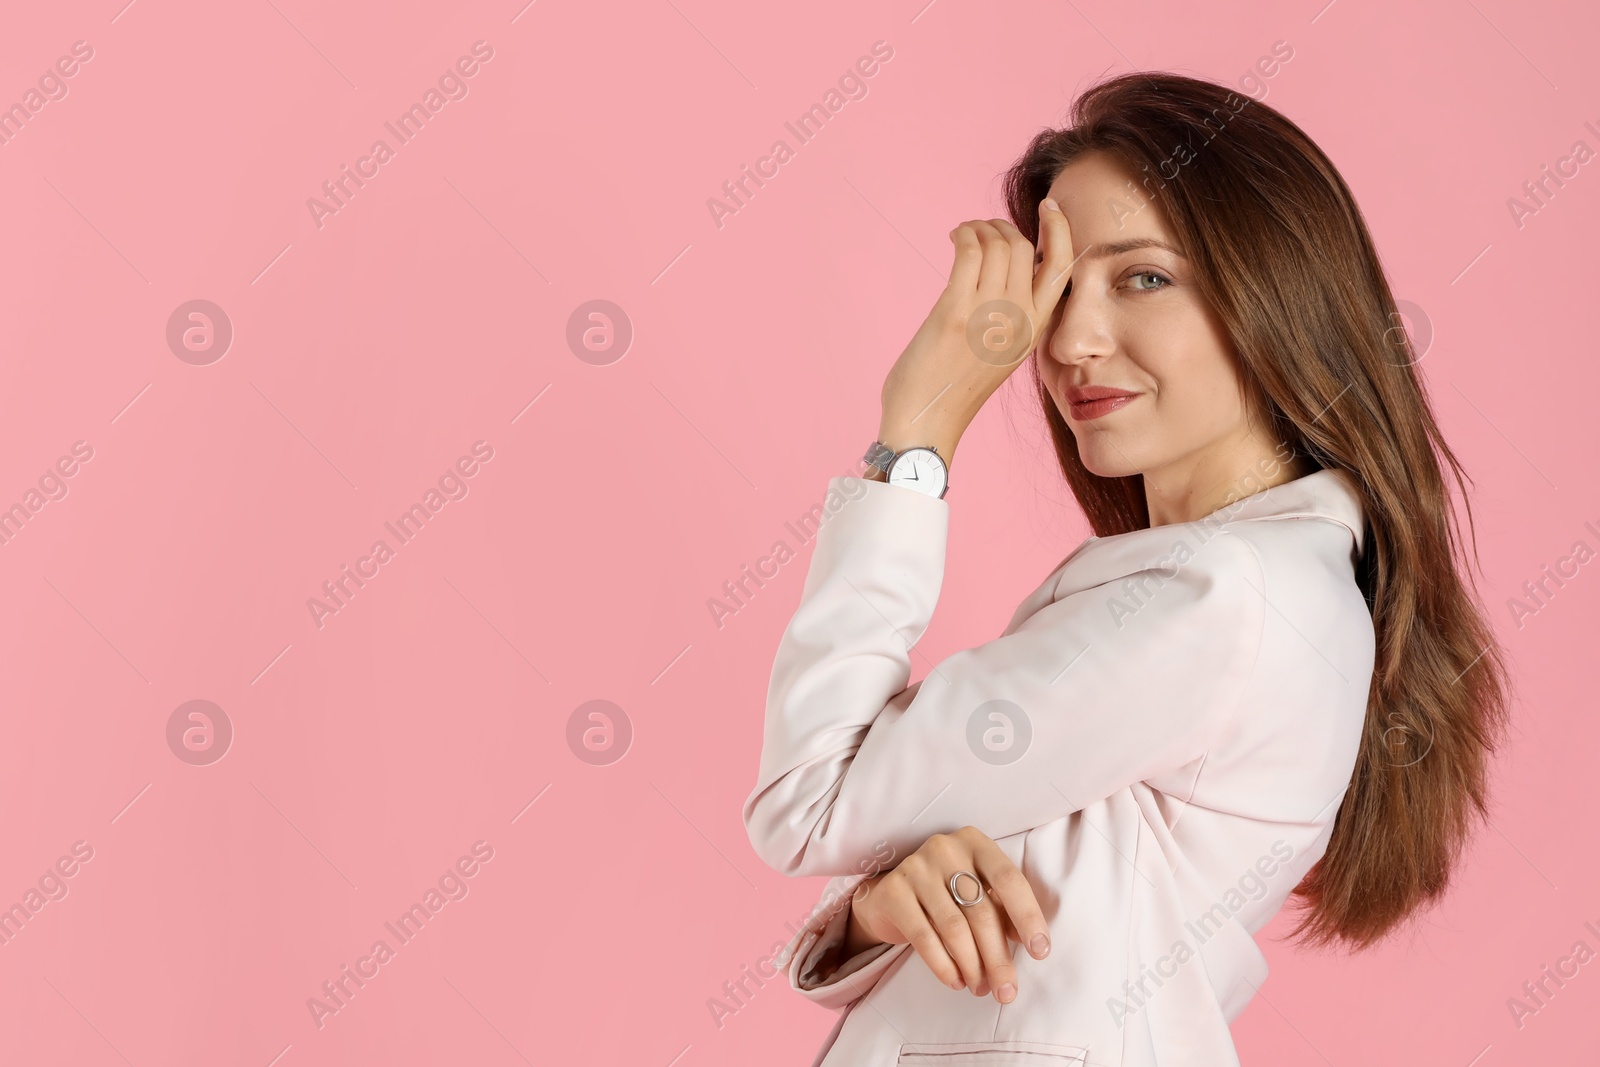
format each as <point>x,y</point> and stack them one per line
<point>432,309</point>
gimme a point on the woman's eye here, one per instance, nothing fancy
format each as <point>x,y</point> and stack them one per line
<point>1151,274</point>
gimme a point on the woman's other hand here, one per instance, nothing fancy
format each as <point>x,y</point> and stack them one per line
<point>963,946</point>
<point>982,327</point>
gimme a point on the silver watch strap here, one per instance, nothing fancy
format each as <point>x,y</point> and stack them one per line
<point>880,456</point>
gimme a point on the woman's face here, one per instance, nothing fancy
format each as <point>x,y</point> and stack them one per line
<point>1132,320</point>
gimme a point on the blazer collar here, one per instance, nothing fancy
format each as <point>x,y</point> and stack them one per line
<point>1325,494</point>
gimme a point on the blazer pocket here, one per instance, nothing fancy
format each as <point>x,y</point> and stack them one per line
<point>992,1054</point>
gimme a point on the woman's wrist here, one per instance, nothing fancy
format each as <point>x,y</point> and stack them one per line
<point>898,435</point>
<point>856,939</point>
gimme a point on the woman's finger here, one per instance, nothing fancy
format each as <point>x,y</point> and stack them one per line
<point>948,854</point>
<point>903,906</point>
<point>968,257</point>
<point>996,264</point>
<point>1010,886</point>
<point>1055,265</point>
<point>984,918</point>
<point>1011,930</point>
<point>932,886</point>
<point>927,871</point>
<point>1019,276</point>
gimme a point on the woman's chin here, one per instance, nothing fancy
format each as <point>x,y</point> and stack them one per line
<point>1105,462</point>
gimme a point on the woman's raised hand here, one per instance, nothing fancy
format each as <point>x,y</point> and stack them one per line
<point>982,326</point>
<point>963,946</point>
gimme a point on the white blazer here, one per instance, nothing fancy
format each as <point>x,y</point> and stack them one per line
<point>1160,740</point>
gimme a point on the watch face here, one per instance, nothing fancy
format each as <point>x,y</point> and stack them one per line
<point>920,469</point>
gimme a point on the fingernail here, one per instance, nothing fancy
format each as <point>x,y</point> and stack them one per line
<point>957,984</point>
<point>1007,993</point>
<point>1040,945</point>
<point>1049,204</point>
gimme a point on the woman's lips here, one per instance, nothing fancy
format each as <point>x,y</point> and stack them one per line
<point>1093,409</point>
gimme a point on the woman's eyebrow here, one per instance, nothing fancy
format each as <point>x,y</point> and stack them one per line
<point>1116,248</point>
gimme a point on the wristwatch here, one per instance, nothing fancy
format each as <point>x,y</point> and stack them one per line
<point>920,468</point>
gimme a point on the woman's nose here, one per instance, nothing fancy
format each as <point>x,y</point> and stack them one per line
<point>1074,336</point>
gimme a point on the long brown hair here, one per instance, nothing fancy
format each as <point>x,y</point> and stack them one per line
<point>1282,254</point>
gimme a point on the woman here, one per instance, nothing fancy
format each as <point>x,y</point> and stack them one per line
<point>1262,675</point>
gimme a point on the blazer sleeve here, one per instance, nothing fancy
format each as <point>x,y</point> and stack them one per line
<point>1093,692</point>
<point>820,939</point>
